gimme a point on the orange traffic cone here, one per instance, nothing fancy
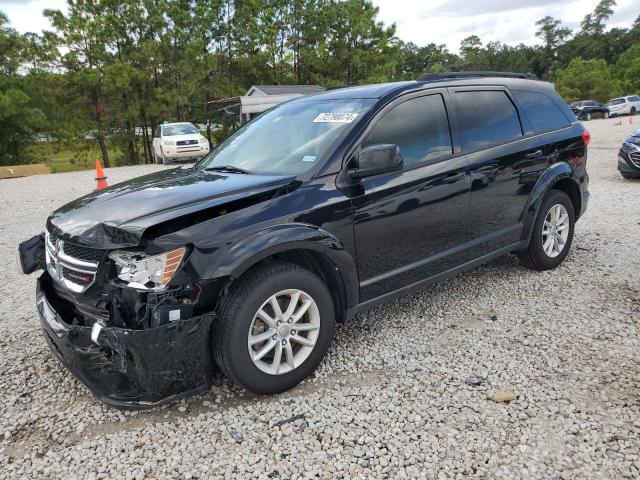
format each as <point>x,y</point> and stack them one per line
<point>101,178</point>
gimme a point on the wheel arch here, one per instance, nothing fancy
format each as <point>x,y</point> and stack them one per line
<point>558,176</point>
<point>309,246</point>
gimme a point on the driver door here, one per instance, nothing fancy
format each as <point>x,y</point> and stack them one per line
<point>411,224</point>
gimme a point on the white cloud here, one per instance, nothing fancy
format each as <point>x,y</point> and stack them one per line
<point>437,21</point>
<point>26,15</point>
<point>449,21</point>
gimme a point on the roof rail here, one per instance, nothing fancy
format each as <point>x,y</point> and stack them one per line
<point>445,75</point>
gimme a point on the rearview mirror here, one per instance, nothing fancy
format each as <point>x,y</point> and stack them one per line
<point>376,159</point>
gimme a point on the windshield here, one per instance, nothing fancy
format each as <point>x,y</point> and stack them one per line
<point>172,130</point>
<point>289,139</point>
<point>616,101</point>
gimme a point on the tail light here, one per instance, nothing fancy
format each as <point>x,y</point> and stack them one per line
<point>586,137</point>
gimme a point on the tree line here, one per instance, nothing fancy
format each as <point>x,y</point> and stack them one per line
<point>109,71</point>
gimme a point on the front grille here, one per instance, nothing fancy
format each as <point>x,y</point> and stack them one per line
<point>635,158</point>
<point>71,265</point>
<point>77,277</point>
<point>83,253</point>
<point>187,142</point>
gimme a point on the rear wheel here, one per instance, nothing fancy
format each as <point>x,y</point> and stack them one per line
<point>274,328</point>
<point>633,111</point>
<point>587,116</point>
<point>552,233</point>
<point>606,115</point>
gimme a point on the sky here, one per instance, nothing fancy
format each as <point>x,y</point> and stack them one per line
<point>422,22</point>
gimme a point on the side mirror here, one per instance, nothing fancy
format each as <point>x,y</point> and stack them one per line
<point>376,159</point>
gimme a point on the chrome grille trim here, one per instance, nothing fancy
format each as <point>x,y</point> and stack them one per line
<point>57,260</point>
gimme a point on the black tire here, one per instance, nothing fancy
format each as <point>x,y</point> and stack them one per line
<point>534,257</point>
<point>236,313</point>
<point>159,160</point>
<point>633,111</point>
<point>587,116</point>
<point>606,115</point>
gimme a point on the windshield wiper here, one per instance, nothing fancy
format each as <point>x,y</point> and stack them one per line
<point>227,168</point>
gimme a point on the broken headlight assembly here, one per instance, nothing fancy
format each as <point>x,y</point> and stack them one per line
<point>147,272</point>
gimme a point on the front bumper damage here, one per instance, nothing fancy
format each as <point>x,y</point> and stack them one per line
<point>130,369</point>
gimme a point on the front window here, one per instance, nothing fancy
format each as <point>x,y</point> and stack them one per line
<point>289,139</point>
<point>173,130</point>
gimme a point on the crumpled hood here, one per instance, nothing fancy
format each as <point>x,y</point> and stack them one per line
<point>118,216</point>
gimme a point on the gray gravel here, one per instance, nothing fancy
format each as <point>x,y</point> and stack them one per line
<point>405,391</point>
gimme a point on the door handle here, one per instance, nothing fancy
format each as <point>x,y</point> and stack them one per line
<point>454,177</point>
<point>534,154</point>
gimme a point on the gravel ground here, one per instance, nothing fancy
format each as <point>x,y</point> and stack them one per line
<point>404,392</point>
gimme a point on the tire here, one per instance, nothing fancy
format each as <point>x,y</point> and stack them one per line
<point>238,318</point>
<point>159,160</point>
<point>629,177</point>
<point>535,257</point>
<point>606,115</point>
<point>633,111</point>
<point>587,116</point>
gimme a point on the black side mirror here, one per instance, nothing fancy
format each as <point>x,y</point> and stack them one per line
<point>376,159</point>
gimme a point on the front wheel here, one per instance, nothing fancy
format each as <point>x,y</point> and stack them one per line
<point>587,116</point>
<point>606,115</point>
<point>552,233</point>
<point>274,328</point>
<point>633,111</point>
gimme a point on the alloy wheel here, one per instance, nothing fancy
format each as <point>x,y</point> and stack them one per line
<point>284,332</point>
<point>555,230</point>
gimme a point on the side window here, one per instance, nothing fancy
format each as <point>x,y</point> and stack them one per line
<point>157,133</point>
<point>420,127</point>
<point>635,99</point>
<point>487,118</point>
<point>541,111</point>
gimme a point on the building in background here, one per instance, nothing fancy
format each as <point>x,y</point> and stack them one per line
<point>260,98</point>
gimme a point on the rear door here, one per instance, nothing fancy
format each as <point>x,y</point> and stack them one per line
<point>505,159</point>
<point>408,224</point>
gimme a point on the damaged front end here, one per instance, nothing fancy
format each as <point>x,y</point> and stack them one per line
<point>132,339</point>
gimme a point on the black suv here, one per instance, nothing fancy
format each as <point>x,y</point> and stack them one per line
<point>629,156</point>
<point>588,109</point>
<point>308,214</point>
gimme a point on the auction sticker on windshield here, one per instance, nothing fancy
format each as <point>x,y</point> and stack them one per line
<point>335,117</point>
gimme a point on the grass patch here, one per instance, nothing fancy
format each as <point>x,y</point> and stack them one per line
<point>62,157</point>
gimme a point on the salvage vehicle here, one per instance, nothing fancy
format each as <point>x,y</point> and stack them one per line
<point>308,214</point>
<point>629,156</point>
<point>588,109</point>
<point>178,141</point>
<point>624,105</point>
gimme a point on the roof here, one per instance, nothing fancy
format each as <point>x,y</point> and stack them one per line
<point>285,89</point>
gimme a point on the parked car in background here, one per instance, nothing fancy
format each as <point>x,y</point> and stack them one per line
<point>629,156</point>
<point>588,109</point>
<point>624,105</point>
<point>178,141</point>
<point>316,210</point>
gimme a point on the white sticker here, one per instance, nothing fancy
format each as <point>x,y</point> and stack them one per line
<point>174,315</point>
<point>309,158</point>
<point>335,118</point>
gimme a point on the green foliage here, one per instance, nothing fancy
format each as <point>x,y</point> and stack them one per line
<point>110,71</point>
<point>585,79</point>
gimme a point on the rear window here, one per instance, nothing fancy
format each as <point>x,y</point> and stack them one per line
<point>541,110</point>
<point>487,118</point>
<point>616,101</point>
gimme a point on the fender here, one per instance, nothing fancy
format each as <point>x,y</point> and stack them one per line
<point>239,257</point>
<point>552,175</point>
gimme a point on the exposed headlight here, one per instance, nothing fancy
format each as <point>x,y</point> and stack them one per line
<point>147,272</point>
<point>169,143</point>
